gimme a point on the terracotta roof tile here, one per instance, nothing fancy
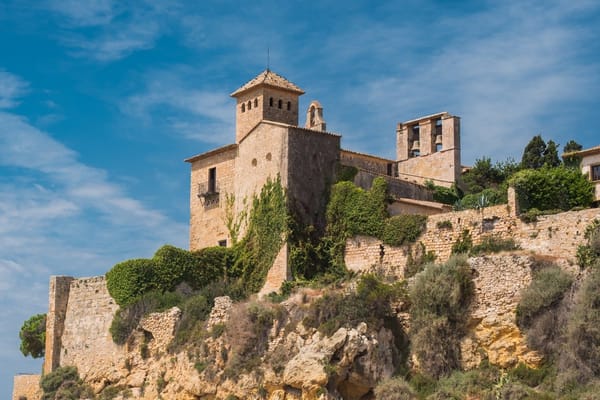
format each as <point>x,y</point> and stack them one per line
<point>269,78</point>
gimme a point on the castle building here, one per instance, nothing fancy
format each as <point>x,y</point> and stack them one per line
<point>270,143</point>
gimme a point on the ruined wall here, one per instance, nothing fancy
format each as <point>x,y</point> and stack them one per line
<point>555,235</point>
<point>58,297</point>
<point>86,342</point>
<point>207,226</point>
<point>26,386</point>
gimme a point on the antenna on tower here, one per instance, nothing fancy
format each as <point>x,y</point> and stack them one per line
<point>268,59</point>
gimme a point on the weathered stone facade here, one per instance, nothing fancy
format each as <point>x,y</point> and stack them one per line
<point>270,144</point>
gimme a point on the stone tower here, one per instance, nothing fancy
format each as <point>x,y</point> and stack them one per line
<point>268,97</point>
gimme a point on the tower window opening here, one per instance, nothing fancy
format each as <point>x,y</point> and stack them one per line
<point>249,105</point>
<point>243,107</point>
<point>279,103</point>
<point>212,180</point>
<point>289,105</point>
<point>438,126</point>
<point>416,132</point>
<point>270,102</point>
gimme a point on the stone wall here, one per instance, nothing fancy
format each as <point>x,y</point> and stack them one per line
<point>312,159</point>
<point>368,162</point>
<point>26,386</point>
<point>555,235</point>
<point>86,341</point>
<point>58,298</point>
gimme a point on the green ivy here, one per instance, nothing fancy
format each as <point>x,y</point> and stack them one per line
<point>401,229</point>
<point>268,229</point>
<point>463,244</point>
<point>130,279</point>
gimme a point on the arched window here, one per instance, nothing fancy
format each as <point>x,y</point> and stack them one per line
<point>270,102</point>
<point>279,103</point>
<point>243,107</point>
<point>255,102</point>
<point>249,105</point>
<point>289,105</point>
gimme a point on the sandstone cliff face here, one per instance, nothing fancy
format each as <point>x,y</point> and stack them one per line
<point>298,362</point>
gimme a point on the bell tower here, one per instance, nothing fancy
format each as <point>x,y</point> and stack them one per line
<point>268,97</point>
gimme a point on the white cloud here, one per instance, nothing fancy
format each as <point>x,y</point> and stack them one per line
<point>197,114</point>
<point>11,89</point>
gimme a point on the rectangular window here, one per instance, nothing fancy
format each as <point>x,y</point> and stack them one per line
<point>212,180</point>
<point>390,169</point>
<point>223,243</point>
<point>595,172</point>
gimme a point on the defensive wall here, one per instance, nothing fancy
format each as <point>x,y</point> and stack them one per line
<point>555,236</point>
<point>26,386</point>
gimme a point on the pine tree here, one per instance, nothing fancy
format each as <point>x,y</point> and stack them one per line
<point>533,155</point>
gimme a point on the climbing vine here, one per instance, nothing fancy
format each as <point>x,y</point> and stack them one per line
<point>268,228</point>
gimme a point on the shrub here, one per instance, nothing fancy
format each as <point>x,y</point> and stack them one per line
<point>552,188</point>
<point>446,224</point>
<point>172,266</point>
<point>583,331</point>
<point>416,263</point>
<point>547,288</point>
<point>485,198</point>
<point>195,310</point>
<point>211,264</point>
<point>494,244</point>
<point>353,211</point>
<point>33,336</point>
<point>130,279</point>
<point>64,383</point>
<point>442,194</point>
<point>440,297</point>
<point>463,244</point>
<point>394,389</point>
<point>531,377</point>
<point>127,317</point>
<point>346,173</point>
<point>370,303</point>
<point>589,253</point>
<point>401,229</point>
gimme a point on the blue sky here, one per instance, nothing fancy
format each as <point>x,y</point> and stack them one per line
<point>100,102</point>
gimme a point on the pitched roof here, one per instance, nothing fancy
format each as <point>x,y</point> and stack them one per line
<point>269,78</point>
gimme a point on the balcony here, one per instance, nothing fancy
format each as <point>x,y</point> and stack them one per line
<point>208,193</point>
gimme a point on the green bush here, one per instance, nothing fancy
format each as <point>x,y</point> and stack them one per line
<point>127,317</point>
<point>401,229</point>
<point>64,383</point>
<point>589,253</point>
<point>172,266</point>
<point>446,224</point>
<point>211,264</point>
<point>370,303</point>
<point>463,244</point>
<point>130,279</point>
<point>33,336</point>
<point>493,244</point>
<point>442,194</point>
<point>346,173</point>
<point>354,211</point>
<point>582,348</point>
<point>394,389</point>
<point>531,377</point>
<point>485,198</point>
<point>552,188</point>
<point>547,288</point>
<point>440,297</point>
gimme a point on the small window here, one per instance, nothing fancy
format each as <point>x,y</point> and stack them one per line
<point>279,103</point>
<point>268,156</point>
<point>415,153</point>
<point>243,107</point>
<point>390,169</point>
<point>254,162</point>
<point>289,105</point>
<point>249,105</point>
<point>438,147</point>
<point>223,243</point>
<point>255,102</point>
<point>595,171</point>
<point>270,102</point>
<point>212,180</point>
